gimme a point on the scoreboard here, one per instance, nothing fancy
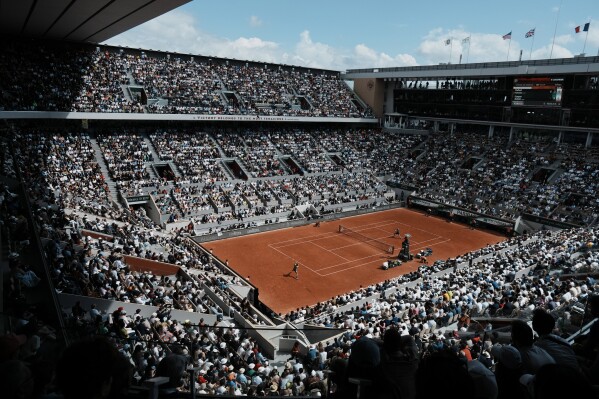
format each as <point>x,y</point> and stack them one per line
<point>538,91</point>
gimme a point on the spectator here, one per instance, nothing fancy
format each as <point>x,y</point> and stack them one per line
<point>557,347</point>
<point>92,369</point>
<point>532,357</point>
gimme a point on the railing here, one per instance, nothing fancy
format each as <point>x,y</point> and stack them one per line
<point>36,243</point>
<point>583,330</point>
<point>482,65</point>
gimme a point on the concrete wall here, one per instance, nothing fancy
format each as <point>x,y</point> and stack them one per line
<point>291,223</point>
<point>174,117</point>
<point>105,305</point>
<point>372,92</point>
<point>263,337</point>
<point>148,265</point>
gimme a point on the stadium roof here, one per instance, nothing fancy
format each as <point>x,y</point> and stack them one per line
<point>79,20</point>
<point>558,66</point>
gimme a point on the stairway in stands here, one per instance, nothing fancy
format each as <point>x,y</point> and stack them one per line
<point>104,168</point>
<point>148,165</point>
<point>218,146</point>
<point>153,151</point>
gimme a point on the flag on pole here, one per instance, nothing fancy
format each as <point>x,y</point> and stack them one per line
<point>507,36</point>
<point>466,40</point>
<point>586,27</point>
<point>577,29</point>
<point>447,42</point>
<point>530,33</point>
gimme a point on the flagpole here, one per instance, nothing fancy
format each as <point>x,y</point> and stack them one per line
<point>450,48</point>
<point>585,39</point>
<point>468,53</point>
<point>555,30</point>
<point>508,49</point>
<point>585,42</point>
<point>532,44</point>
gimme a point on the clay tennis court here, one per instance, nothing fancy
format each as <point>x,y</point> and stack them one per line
<point>331,263</point>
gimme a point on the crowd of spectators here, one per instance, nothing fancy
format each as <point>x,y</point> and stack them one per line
<point>515,278</point>
<point>332,167</point>
<point>517,271</point>
<point>71,171</point>
<point>39,76</point>
<point>104,81</point>
<point>188,87</point>
<point>303,147</point>
<point>201,190</point>
<point>262,88</point>
<point>491,176</point>
<point>94,267</point>
<point>125,155</point>
<point>499,178</point>
<point>256,151</point>
<point>194,153</point>
<point>434,311</point>
<point>396,334</point>
<point>404,318</point>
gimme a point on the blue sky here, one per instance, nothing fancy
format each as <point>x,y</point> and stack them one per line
<point>342,35</point>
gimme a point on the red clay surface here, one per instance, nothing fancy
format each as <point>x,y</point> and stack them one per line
<point>331,263</point>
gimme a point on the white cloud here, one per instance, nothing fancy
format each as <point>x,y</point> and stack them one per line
<point>321,55</point>
<point>544,52</point>
<point>368,57</point>
<point>177,31</point>
<point>172,31</point>
<point>314,54</point>
<point>255,22</point>
<point>564,39</point>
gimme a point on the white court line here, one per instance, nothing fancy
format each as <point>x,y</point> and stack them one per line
<point>435,236</point>
<point>303,238</point>
<point>329,250</point>
<point>349,261</point>
<point>357,243</point>
<point>300,263</point>
<point>389,235</point>
<point>426,231</point>
<point>422,242</point>
<point>331,234</point>
<point>306,241</point>
<point>377,225</point>
<point>366,264</point>
<point>432,245</point>
<point>332,250</point>
<point>363,227</point>
<point>347,268</point>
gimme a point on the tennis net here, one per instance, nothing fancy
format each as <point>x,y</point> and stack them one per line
<point>383,246</point>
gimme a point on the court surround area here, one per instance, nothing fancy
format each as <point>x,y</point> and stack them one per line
<point>332,263</point>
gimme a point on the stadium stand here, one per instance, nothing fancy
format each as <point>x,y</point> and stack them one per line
<point>98,227</point>
<point>112,80</point>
